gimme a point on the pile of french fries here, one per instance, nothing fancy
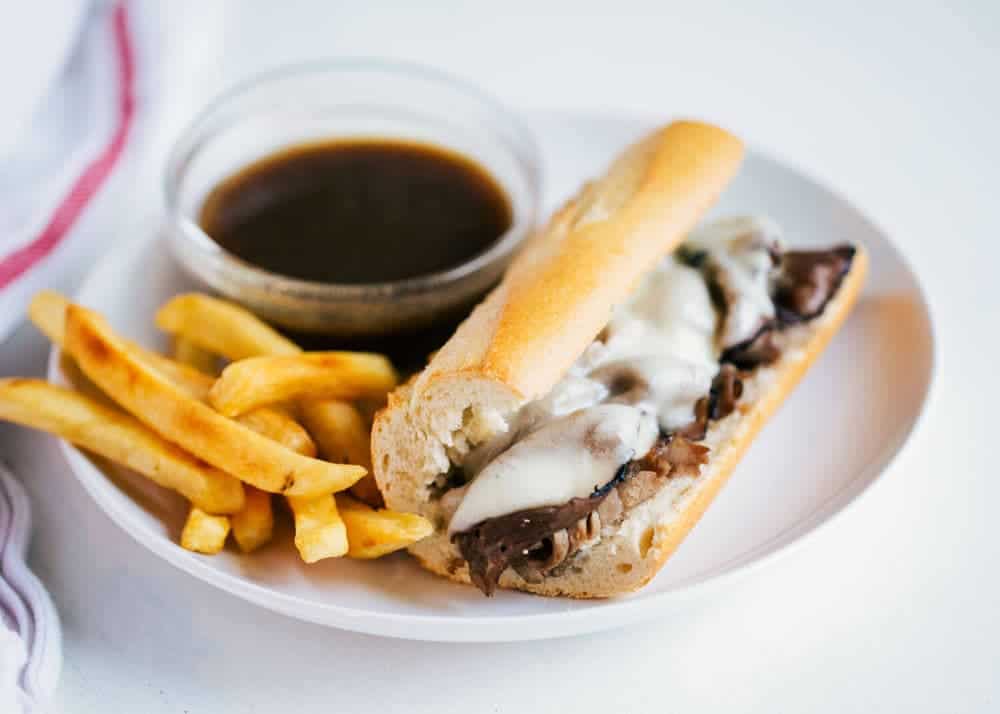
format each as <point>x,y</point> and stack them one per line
<point>275,420</point>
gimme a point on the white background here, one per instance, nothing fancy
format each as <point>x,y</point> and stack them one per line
<point>896,607</point>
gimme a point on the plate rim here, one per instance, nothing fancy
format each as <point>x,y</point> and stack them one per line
<point>616,612</point>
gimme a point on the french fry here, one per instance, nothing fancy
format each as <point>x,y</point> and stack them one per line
<point>259,381</point>
<point>194,314</point>
<point>339,431</point>
<point>117,436</point>
<point>221,327</point>
<point>372,534</point>
<point>254,525</point>
<point>272,422</point>
<point>187,352</point>
<point>278,425</point>
<point>48,313</point>
<point>203,532</point>
<point>143,391</point>
<point>319,531</point>
<point>48,310</point>
<point>194,383</point>
<point>343,436</point>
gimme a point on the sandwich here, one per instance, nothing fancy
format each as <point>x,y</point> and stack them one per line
<point>579,422</point>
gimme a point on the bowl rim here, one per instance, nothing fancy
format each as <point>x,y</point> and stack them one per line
<point>514,136</point>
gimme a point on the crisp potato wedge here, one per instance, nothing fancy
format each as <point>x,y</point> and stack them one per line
<point>109,432</point>
<point>204,533</point>
<point>342,435</point>
<point>122,374</point>
<point>373,533</point>
<point>259,381</point>
<point>319,530</point>
<point>187,352</point>
<point>254,525</point>
<point>221,327</point>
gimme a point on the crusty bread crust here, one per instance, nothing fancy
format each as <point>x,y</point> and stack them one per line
<point>560,290</point>
<point>557,295</point>
<point>628,558</point>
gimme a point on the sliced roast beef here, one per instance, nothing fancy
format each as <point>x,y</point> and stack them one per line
<point>760,349</point>
<point>491,546</point>
<point>727,388</point>
<point>808,279</point>
<point>804,284</point>
<point>536,541</point>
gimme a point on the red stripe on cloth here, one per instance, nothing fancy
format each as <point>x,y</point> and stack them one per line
<point>93,177</point>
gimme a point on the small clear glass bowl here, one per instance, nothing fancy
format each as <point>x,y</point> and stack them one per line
<point>348,99</point>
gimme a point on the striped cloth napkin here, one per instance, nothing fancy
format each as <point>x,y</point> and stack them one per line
<point>71,74</point>
<point>61,143</point>
<point>30,641</point>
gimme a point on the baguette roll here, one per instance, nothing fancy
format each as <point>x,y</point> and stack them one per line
<point>518,349</point>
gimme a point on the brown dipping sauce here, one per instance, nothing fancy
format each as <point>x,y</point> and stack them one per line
<point>359,211</point>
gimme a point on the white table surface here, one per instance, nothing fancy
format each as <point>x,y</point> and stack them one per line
<point>895,607</point>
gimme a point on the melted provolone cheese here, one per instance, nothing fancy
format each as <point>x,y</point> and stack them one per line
<point>569,457</point>
<point>657,358</point>
<point>671,313</point>
<point>664,339</point>
<point>739,254</point>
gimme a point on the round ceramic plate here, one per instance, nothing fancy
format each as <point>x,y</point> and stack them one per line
<point>867,390</point>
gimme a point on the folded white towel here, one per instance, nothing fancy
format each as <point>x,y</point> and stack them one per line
<point>58,164</point>
<point>67,133</point>
<point>30,639</point>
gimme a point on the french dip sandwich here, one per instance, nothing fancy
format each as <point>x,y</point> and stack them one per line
<point>578,423</point>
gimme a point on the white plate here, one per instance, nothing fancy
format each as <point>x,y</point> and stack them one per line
<point>866,391</point>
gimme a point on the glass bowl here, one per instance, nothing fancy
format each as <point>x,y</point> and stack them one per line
<point>348,99</point>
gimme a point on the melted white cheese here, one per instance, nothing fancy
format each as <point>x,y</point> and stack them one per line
<point>664,345</point>
<point>671,313</point>
<point>567,458</point>
<point>739,254</point>
<point>672,386</point>
<point>664,337</point>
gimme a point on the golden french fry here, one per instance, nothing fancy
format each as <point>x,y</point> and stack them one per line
<point>342,435</point>
<point>80,383</point>
<point>259,381</point>
<point>122,374</point>
<point>195,384</point>
<point>47,312</point>
<point>338,429</point>
<point>204,533</point>
<point>196,313</point>
<point>372,534</point>
<point>278,425</point>
<point>254,525</point>
<point>221,327</point>
<point>319,530</point>
<point>117,436</point>
<point>272,422</point>
<point>187,352</point>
